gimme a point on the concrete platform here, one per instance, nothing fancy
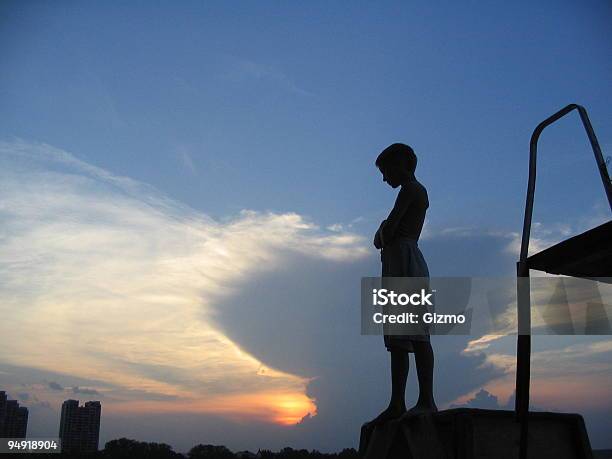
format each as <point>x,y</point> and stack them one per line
<point>464,433</point>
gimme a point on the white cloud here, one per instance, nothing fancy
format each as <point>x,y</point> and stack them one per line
<point>241,68</point>
<point>546,235</point>
<point>106,278</point>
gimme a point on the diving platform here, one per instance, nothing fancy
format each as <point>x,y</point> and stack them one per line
<point>466,433</point>
<point>587,255</point>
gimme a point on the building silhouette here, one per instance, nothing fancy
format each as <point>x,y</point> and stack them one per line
<point>80,426</point>
<point>13,418</point>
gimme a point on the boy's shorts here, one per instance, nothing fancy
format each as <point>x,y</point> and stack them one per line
<point>403,258</point>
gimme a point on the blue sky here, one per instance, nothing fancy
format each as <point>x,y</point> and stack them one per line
<point>222,107</point>
<point>207,109</point>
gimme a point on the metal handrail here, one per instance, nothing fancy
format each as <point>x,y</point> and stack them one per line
<point>533,149</point>
<point>523,351</point>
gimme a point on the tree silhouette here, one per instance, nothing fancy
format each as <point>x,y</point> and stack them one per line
<point>210,452</point>
<point>124,448</point>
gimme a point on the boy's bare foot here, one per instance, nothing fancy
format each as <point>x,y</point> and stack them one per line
<point>392,412</point>
<point>422,408</point>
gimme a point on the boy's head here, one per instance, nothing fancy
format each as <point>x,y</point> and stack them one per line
<point>396,163</point>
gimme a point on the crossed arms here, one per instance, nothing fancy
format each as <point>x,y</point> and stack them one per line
<point>386,232</point>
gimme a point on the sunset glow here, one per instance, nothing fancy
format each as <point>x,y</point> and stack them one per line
<point>122,287</point>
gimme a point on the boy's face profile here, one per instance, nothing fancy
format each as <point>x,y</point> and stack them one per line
<point>390,177</point>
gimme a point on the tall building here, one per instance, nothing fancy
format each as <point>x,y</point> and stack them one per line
<point>13,418</point>
<point>80,426</point>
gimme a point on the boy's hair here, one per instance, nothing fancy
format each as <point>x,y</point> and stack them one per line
<point>398,155</point>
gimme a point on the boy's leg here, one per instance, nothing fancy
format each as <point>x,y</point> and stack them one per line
<point>400,363</point>
<point>399,375</point>
<point>424,358</point>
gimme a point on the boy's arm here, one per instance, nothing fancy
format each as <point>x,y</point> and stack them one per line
<point>390,225</point>
<point>378,241</point>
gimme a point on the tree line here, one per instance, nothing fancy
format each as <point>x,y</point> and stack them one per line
<point>125,448</point>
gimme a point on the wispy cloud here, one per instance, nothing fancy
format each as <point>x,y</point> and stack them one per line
<point>546,235</point>
<point>55,386</point>
<point>187,160</point>
<point>239,69</point>
<point>85,391</point>
<point>558,376</point>
<point>105,278</point>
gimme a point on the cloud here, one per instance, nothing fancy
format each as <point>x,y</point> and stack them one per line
<point>106,278</point>
<point>82,390</point>
<point>574,377</point>
<point>159,309</point>
<point>542,235</point>
<point>239,69</point>
<point>459,231</point>
<point>482,399</point>
<point>187,160</point>
<point>545,363</point>
<point>41,404</point>
<point>55,386</point>
<point>546,235</point>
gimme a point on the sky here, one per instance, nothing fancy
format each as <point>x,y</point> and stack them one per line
<point>188,198</point>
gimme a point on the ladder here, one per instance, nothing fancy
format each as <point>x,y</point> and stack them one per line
<point>587,255</point>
